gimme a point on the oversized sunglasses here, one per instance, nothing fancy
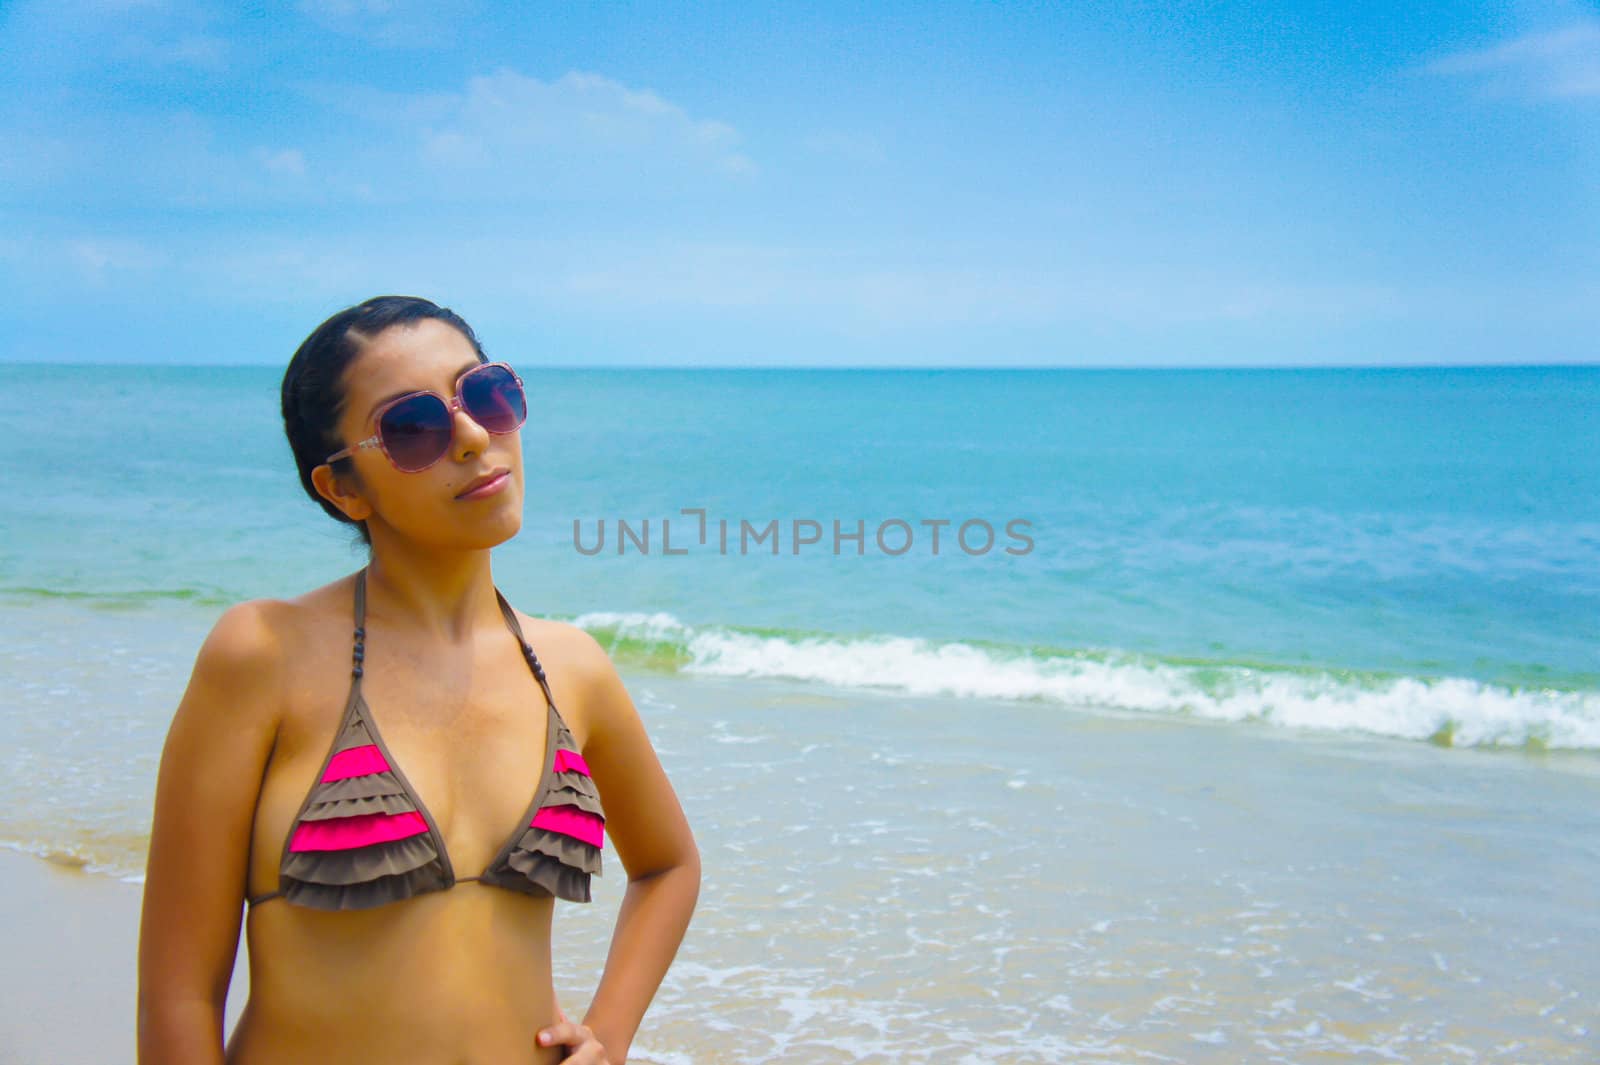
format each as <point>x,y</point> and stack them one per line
<point>415,430</point>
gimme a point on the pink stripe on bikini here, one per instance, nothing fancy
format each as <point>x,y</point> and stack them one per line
<point>356,762</point>
<point>363,830</point>
<point>571,821</point>
<point>566,760</point>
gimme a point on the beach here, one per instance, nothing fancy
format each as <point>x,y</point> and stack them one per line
<point>69,981</point>
<point>1033,887</point>
<point>1281,743</point>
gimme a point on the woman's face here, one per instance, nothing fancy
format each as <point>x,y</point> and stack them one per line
<point>425,506</point>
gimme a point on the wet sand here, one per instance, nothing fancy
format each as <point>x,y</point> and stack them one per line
<point>920,879</point>
<point>69,981</point>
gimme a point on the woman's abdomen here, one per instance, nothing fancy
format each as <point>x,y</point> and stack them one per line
<point>460,977</point>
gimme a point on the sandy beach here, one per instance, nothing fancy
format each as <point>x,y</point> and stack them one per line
<point>1041,886</point>
<point>68,984</point>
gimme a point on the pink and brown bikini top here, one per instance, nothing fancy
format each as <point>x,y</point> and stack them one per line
<point>364,838</point>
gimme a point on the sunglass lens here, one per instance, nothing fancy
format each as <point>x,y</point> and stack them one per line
<point>494,399</point>
<point>416,432</point>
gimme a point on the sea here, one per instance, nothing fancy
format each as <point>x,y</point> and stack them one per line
<point>1163,715</point>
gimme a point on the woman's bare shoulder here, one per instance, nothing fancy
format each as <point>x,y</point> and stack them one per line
<point>575,663</point>
<point>561,643</point>
<point>258,640</point>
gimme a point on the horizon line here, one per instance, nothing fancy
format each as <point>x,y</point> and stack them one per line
<point>882,367</point>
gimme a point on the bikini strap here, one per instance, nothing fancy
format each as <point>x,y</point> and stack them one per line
<point>360,651</point>
<point>357,654</point>
<point>527,650</point>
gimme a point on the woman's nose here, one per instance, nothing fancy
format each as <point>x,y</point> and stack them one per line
<point>469,437</point>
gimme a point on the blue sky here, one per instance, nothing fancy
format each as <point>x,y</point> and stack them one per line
<point>1165,184</point>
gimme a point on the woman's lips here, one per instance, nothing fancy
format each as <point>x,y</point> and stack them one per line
<point>488,488</point>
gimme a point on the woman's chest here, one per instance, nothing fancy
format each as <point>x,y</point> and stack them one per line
<point>468,746</point>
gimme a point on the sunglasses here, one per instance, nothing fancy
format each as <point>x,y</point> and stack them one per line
<point>415,430</point>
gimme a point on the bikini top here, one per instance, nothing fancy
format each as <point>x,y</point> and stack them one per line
<point>364,838</point>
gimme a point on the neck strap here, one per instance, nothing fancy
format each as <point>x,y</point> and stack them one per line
<point>527,649</point>
<point>360,652</point>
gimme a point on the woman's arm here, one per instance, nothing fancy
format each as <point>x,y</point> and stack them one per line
<point>652,837</point>
<point>206,789</point>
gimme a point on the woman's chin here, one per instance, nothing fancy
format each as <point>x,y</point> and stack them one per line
<point>495,533</point>
<point>482,532</point>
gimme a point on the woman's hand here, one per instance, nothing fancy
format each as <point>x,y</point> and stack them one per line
<point>586,1049</point>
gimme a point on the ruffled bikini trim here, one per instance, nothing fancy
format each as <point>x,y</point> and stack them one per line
<point>551,861</point>
<point>361,841</point>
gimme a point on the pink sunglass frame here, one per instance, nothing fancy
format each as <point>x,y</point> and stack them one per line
<point>452,404</point>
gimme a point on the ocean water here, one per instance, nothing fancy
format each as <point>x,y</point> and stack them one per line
<point>1406,552</point>
<point>1237,715</point>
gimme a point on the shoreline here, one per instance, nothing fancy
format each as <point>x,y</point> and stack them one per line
<point>70,983</point>
<point>1115,886</point>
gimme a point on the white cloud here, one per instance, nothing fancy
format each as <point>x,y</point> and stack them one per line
<point>161,160</point>
<point>899,296</point>
<point>162,33</point>
<point>852,147</point>
<point>190,50</point>
<point>387,23</point>
<point>507,137</point>
<point>289,162</point>
<point>503,139</point>
<point>1561,63</point>
<point>508,109</point>
<point>96,257</point>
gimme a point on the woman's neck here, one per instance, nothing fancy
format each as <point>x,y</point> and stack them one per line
<point>448,594</point>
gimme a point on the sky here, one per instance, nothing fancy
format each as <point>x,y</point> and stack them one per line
<point>924,184</point>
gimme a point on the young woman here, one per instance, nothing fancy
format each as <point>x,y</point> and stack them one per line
<point>398,773</point>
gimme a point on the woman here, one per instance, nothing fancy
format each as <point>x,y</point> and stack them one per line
<point>357,762</point>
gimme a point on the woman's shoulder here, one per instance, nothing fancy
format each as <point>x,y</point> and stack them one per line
<point>258,635</point>
<point>578,667</point>
<point>563,643</point>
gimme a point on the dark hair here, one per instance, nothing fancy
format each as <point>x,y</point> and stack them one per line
<point>314,385</point>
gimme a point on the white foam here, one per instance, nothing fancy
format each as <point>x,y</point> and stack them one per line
<point>1464,712</point>
<point>661,627</point>
<point>74,856</point>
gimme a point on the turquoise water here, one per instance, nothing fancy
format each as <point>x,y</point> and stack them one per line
<point>1157,788</point>
<point>1410,552</point>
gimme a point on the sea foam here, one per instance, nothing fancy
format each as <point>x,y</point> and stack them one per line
<point>1450,711</point>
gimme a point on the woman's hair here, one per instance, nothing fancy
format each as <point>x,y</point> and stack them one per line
<point>314,383</point>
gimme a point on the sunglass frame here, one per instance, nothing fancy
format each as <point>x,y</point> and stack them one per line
<point>451,405</point>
